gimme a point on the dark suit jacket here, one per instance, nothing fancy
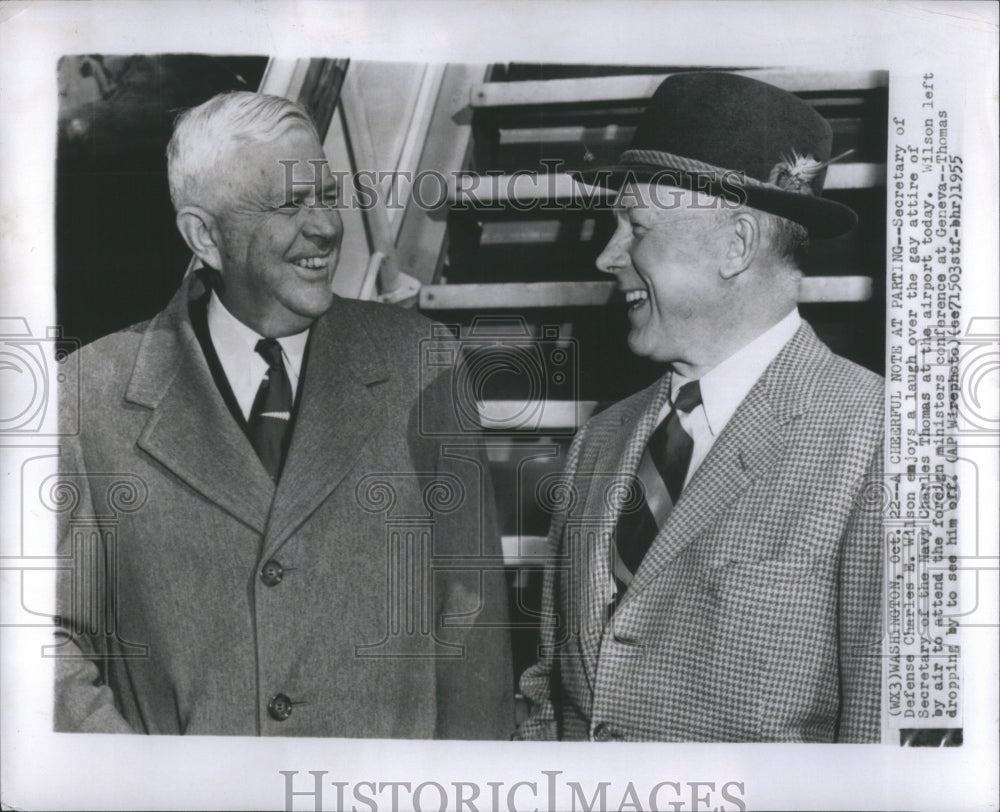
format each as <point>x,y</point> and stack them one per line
<point>387,619</point>
<point>755,615</point>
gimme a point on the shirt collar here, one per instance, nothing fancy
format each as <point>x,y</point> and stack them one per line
<point>233,339</point>
<point>725,386</point>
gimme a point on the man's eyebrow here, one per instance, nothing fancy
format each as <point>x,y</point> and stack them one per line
<point>303,189</point>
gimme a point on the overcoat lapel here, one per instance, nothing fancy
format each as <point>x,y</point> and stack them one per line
<point>336,416</point>
<point>192,433</point>
<point>190,430</point>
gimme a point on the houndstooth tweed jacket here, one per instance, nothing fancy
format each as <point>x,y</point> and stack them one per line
<point>755,615</point>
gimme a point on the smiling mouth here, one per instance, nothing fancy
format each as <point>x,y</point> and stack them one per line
<point>635,298</point>
<point>312,263</point>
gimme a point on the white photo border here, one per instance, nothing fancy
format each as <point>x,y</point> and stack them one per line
<point>44,770</point>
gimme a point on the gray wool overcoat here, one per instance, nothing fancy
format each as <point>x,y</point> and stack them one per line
<point>362,597</point>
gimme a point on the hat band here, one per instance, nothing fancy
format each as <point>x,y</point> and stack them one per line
<point>667,160</point>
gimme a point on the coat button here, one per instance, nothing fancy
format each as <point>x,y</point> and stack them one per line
<point>603,732</point>
<point>271,573</point>
<point>279,708</point>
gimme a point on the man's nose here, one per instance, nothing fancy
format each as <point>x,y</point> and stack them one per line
<point>323,224</point>
<point>615,257</point>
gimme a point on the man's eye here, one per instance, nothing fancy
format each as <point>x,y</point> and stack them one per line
<point>328,201</point>
<point>328,198</point>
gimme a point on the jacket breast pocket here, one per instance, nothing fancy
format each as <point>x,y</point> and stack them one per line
<point>773,575</point>
<point>764,603</point>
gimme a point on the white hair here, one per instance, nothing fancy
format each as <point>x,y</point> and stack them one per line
<point>205,134</point>
<point>788,240</point>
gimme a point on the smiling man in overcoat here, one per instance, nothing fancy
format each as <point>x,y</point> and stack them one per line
<point>718,563</point>
<point>262,491</point>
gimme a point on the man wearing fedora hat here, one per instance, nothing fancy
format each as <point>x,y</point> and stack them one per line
<point>718,569</point>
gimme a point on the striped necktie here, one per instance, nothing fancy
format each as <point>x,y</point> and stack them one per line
<point>272,409</point>
<point>662,470</point>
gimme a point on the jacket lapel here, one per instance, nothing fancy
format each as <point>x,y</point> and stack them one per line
<point>191,431</point>
<point>751,443</point>
<point>337,415</point>
<point>614,469</point>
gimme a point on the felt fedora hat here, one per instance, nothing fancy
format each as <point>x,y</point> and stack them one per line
<point>738,138</point>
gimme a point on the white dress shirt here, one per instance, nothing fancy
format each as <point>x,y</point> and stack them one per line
<point>234,343</point>
<point>724,387</point>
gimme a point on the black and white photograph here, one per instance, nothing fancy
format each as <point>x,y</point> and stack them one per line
<point>573,406</point>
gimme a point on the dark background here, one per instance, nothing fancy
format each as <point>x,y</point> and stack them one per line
<point>119,257</point>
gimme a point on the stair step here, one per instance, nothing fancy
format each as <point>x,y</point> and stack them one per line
<point>530,190</point>
<point>526,551</point>
<point>538,416</point>
<point>507,232</point>
<point>637,87</point>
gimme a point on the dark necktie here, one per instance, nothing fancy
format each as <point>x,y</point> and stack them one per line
<point>272,409</point>
<point>662,470</point>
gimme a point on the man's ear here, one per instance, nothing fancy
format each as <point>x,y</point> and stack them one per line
<point>743,244</point>
<point>198,228</point>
